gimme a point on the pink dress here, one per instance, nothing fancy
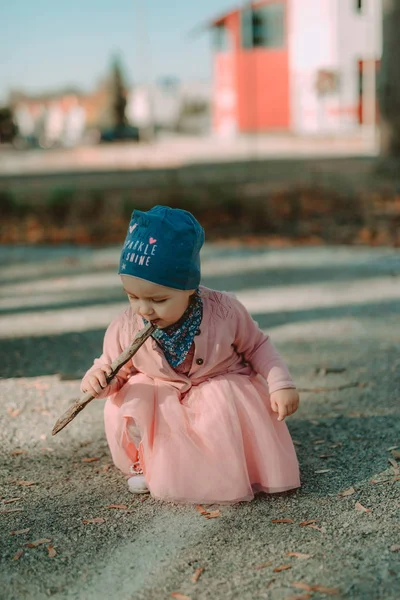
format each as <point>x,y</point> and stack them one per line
<point>205,432</point>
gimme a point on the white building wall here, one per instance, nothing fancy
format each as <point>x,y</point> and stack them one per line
<point>330,35</point>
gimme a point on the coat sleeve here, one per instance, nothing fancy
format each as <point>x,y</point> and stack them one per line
<point>258,349</point>
<point>113,345</point>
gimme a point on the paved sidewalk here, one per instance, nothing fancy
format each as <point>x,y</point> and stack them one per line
<point>333,313</point>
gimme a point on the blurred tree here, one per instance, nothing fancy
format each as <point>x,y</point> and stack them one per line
<point>8,128</point>
<point>118,94</point>
<point>389,81</point>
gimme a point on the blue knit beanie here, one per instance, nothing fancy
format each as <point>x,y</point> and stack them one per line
<point>163,246</point>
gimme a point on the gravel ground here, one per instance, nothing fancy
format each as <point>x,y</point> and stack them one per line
<point>333,313</point>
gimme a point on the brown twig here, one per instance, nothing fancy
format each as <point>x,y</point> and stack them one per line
<point>119,362</point>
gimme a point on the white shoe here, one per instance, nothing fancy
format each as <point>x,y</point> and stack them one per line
<point>137,485</point>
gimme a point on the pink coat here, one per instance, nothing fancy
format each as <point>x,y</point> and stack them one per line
<point>230,341</point>
<point>209,436</point>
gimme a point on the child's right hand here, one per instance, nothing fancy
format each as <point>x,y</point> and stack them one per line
<point>95,382</point>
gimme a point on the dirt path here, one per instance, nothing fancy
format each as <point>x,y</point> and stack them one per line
<point>322,309</point>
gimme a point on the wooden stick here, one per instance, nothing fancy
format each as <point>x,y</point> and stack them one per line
<point>119,362</point>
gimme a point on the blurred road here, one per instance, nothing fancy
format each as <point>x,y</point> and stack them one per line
<point>181,150</point>
<point>334,315</point>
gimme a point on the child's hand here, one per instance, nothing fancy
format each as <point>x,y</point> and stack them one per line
<point>284,402</point>
<point>96,382</point>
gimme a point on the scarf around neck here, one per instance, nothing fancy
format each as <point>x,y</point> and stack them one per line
<point>177,339</point>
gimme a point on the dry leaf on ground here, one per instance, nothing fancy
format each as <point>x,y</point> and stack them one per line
<point>326,455</point>
<point>393,463</point>
<point>298,555</point>
<point>25,483</point>
<point>51,552</point>
<point>391,448</point>
<point>301,585</point>
<point>213,514</point>
<point>196,574</point>
<point>19,531</point>
<point>10,500</point>
<point>10,510</point>
<point>395,548</point>
<point>179,596</point>
<point>321,529</point>
<point>14,413</point>
<point>37,543</point>
<point>282,568</point>
<point>323,470</point>
<point>89,460</point>
<point>306,523</point>
<point>202,510</point>
<point>18,452</point>
<point>263,565</point>
<point>282,521</point>
<point>118,506</point>
<point>348,492</point>
<point>358,506</point>
<point>396,454</point>
<point>18,555</point>
<point>94,520</point>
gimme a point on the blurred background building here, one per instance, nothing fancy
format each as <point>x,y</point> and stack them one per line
<point>296,65</point>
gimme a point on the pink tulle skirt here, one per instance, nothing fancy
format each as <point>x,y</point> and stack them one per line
<point>218,443</point>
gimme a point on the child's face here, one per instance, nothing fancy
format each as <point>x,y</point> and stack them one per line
<point>161,305</point>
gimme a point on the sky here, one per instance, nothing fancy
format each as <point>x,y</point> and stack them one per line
<point>48,44</point>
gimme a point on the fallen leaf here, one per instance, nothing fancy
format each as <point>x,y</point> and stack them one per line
<point>18,452</point>
<point>263,565</point>
<point>325,590</point>
<point>213,514</point>
<point>323,470</point>
<point>305,523</point>
<point>179,596</point>
<point>336,445</point>
<point>321,529</point>
<point>270,582</point>
<point>201,509</point>
<point>301,585</point>
<point>25,483</point>
<point>299,597</point>
<point>297,443</point>
<point>391,448</point>
<point>14,413</point>
<point>89,460</point>
<point>10,500</point>
<point>18,555</point>
<point>348,492</point>
<point>361,508</point>
<point>298,555</point>
<point>326,455</point>
<point>19,531</point>
<point>282,568</point>
<point>94,520</point>
<point>395,465</point>
<point>37,543</point>
<point>196,575</point>
<point>119,506</point>
<point>10,510</point>
<point>396,453</point>
<point>395,548</point>
<point>282,521</point>
<point>318,442</point>
<point>52,553</point>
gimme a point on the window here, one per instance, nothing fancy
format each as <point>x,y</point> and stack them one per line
<point>264,27</point>
<point>221,38</point>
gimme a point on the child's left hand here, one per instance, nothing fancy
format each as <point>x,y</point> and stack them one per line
<point>284,402</point>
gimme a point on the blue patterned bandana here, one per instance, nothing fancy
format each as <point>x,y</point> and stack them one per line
<point>177,339</point>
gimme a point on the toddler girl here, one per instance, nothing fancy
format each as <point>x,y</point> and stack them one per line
<point>197,414</point>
